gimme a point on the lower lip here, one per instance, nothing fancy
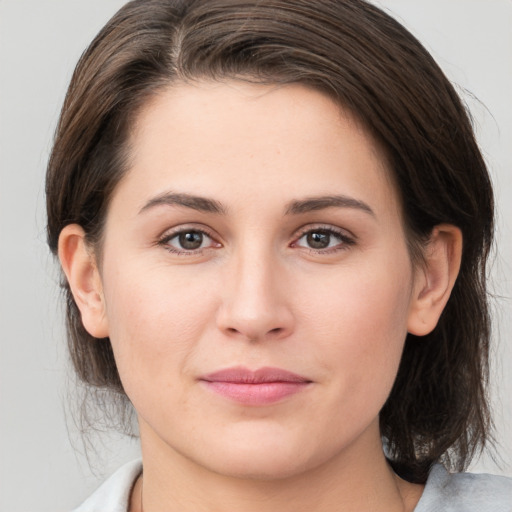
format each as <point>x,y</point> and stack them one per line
<point>263,393</point>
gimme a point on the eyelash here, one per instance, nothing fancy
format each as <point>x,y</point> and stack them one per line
<point>345,240</point>
<point>164,241</point>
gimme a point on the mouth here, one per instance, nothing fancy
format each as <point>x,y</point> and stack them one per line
<point>263,386</point>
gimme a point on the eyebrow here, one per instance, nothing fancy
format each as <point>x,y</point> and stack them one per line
<point>202,204</point>
<point>323,202</point>
<point>207,205</point>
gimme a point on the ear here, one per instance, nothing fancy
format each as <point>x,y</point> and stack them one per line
<point>435,279</point>
<point>79,264</point>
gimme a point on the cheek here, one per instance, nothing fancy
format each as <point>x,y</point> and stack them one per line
<point>361,329</point>
<point>155,317</point>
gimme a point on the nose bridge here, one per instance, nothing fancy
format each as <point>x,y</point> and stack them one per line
<point>255,279</point>
<point>254,305</point>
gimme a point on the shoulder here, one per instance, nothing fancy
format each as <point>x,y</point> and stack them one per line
<point>114,494</point>
<point>465,492</point>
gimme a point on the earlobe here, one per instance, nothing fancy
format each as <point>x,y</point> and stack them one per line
<point>435,279</point>
<point>79,265</point>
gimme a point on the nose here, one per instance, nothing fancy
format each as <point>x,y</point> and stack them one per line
<point>256,305</point>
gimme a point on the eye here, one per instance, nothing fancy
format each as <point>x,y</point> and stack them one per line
<point>323,239</point>
<point>188,241</point>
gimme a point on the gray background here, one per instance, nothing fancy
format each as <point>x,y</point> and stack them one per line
<point>43,465</point>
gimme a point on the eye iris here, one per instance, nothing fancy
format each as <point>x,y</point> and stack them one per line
<point>318,240</point>
<point>191,240</point>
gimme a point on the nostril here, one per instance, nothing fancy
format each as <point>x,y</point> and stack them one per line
<point>272,333</point>
<point>254,321</point>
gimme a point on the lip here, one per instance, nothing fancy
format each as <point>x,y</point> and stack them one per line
<point>263,386</point>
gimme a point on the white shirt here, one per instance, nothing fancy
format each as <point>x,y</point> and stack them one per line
<point>444,492</point>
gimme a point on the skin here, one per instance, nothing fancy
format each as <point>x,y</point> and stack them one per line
<point>257,294</point>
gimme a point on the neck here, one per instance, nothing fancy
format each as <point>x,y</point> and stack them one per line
<point>356,480</point>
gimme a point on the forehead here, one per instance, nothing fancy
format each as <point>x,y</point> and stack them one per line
<point>224,138</point>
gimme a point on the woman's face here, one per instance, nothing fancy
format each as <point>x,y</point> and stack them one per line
<point>256,279</point>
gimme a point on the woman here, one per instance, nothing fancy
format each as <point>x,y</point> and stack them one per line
<point>274,221</point>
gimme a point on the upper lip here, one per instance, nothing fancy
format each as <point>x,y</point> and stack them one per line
<point>242,375</point>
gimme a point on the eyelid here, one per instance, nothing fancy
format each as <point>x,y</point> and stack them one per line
<point>342,232</point>
<point>344,235</point>
<point>171,233</point>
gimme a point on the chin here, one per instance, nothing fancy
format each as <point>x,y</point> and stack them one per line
<point>265,467</point>
<point>260,459</point>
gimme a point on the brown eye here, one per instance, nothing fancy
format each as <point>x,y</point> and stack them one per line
<point>324,240</point>
<point>318,239</point>
<point>190,240</point>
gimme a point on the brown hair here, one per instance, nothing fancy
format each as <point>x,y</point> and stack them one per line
<point>368,63</point>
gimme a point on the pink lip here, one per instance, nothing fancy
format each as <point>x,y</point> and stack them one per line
<point>260,387</point>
